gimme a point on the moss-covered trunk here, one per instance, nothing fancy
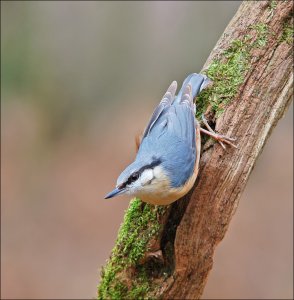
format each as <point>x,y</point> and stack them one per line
<point>251,69</point>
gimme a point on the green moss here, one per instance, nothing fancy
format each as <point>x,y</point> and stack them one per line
<point>287,35</point>
<point>262,32</point>
<point>131,244</point>
<point>139,226</point>
<point>142,286</point>
<point>227,74</point>
<point>228,71</point>
<point>273,5</point>
<point>118,290</point>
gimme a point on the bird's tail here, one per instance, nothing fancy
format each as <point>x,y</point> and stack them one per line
<point>197,81</point>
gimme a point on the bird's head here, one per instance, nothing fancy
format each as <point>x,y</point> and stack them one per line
<point>140,178</point>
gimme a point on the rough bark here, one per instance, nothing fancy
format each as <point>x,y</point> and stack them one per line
<point>193,226</point>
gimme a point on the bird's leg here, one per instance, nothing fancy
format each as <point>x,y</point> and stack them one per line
<point>222,139</point>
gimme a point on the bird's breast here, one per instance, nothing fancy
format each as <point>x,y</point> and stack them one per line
<point>160,191</point>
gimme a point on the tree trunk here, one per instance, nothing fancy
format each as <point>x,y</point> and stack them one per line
<point>167,252</point>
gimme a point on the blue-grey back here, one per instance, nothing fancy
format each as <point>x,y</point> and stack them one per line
<point>172,140</point>
<point>169,137</point>
<point>170,134</point>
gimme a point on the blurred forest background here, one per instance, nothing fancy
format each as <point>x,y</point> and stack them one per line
<point>79,81</point>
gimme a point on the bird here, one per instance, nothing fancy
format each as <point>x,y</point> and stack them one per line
<point>167,162</point>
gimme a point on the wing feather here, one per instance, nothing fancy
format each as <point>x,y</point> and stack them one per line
<point>165,102</point>
<point>181,118</point>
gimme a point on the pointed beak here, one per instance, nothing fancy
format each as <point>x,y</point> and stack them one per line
<point>115,192</point>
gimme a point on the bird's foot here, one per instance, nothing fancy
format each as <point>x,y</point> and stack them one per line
<point>222,139</point>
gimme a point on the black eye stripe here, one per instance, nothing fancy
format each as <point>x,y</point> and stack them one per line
<point>134,176</point>
<point>154,164</point>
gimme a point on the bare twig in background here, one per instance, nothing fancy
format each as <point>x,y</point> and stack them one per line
<point>251,68</point>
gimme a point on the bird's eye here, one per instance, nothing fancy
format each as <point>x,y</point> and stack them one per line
<point>134,176</point>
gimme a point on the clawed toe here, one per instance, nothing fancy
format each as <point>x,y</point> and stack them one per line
<point>227,140</point>
<point>222,139</point>
<point>230,139</point>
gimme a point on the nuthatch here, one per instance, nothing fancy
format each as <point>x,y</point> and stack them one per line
<point>166,165</point>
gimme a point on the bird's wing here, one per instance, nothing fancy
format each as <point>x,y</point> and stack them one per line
<point>165,102</point>
<point>181,118</point>
<point>172,140</point>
